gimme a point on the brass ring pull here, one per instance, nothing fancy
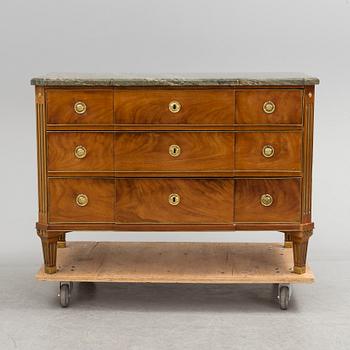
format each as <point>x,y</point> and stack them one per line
<point>80,107</point>
<point>174,106</point>
<point>268,151</point>
<point>174,150</point>
<point>82,200</point>
<point>80,152</point>
<point>269,107</point>
<point>266,200</point>
<point>174,199</point>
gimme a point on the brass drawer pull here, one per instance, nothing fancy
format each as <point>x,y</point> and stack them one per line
<point>174,199</point>
<point>268,151</point>
<point>174,106</point>
<point>80,107</point>
<point>80,152</point>
<point>82,200</point>
<point>174,150</point>
<point>269,107</point>
<point>266,200</point>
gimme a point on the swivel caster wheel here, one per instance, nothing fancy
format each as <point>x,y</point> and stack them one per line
<point>284,295</point>
<point>65,293</point>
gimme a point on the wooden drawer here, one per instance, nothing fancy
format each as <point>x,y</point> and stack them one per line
<point>67,106</point>
<point>154,106</point>
<point>80,151</point>
<point>288,106</point>
<point>201,201</point>
<point>286,203</point>
<point>64,194</point>
<point>157,151</point>
<point>265,151</point>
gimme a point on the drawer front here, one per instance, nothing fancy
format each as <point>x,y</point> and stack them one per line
<point>267,200</point>
<point>85,106</point>
<point>174,151</point>
<point>174,106</point>
<point>80,151</point>
<point>174,201</point>
<point>270,106</point>
<point>265,151</point>
<point>81,200</point>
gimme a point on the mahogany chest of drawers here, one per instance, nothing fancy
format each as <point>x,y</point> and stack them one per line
<point>193,153</point>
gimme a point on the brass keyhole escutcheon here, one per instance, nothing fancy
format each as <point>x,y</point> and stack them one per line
<point>174,150</point>
<point>80,107</point>
<point>174,106</point>
<point>80,152</point>
<point>174,199</point>
<point>82,200</point>
<point>268,151</point>
<point>266,200</point>
<point>269,107</point>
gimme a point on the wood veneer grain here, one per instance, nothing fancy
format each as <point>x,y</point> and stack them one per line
<point>249,106</point>
<point>286,206</point>
<point>99,151</point>
<point>287,151</point>
<point>60,106</point>
<point>151,106</point>
<point>201,201</point>
<point>62,200</point>
<point>149,151</point>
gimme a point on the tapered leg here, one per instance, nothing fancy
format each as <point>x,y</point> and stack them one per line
<point>49,244</point>
<point>50,253</point>
<point>300,242</point>
<point>62,241</point>
<point>288,240</point>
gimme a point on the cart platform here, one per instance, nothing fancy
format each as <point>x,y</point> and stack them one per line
<point>175,263</point>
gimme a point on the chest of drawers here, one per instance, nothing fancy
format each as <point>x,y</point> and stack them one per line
<point>193,153</point>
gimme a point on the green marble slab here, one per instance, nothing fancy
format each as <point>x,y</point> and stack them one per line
<point>206,79</point>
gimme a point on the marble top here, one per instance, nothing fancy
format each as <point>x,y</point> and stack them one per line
<point>206,79</point>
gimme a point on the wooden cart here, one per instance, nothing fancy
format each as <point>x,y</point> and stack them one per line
<point>176,263</point>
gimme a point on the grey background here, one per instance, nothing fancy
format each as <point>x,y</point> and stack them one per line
<point>173,36</point>
<point>37,37</point>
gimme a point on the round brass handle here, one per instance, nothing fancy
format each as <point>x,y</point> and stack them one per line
<point>266,200</point>
<point>269,107</point>
<point>174,106</point>
<point>80,152</point>
<point>82,200</point>
<point>268,151</point>
<point>174,199</point>
<point>80,107</point>
<point>174,150</point>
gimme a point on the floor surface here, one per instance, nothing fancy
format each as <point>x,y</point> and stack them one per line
<point>144,316</point>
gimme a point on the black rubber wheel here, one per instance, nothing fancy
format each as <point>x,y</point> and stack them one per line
<point>284,297</point>
<point>64,295</point>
